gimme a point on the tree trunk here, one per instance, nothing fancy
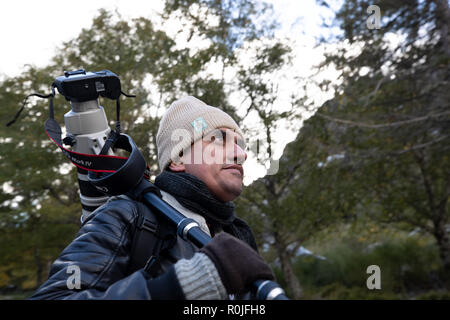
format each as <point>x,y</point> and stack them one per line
<point>443,242</point>
<point>291,279</point>
<point>39,267</point>
<point>438,211</point>
<point>288,271</point>
<point>442,22</point>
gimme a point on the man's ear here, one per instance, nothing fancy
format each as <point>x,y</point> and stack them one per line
<point>177,167</point>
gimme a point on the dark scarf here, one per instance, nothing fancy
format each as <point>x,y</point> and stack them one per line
<point>194,195</point>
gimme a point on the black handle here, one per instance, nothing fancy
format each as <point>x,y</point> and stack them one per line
<point>75,72</point>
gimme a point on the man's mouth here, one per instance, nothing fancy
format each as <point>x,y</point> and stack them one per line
<point>235,168</point>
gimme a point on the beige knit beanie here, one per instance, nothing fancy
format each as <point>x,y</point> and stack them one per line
<point>186,121</point>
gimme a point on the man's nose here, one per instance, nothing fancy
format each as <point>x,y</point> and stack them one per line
<point>239,154</point>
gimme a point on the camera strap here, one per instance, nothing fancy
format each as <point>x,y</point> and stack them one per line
<point>111,175</point>
<point>16,116</point>
<point>89,162</point>
<point>114,135</point>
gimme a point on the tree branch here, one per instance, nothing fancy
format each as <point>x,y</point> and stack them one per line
<point>423,145</point>
<point>56,195</point>
<point>382,125</point>
<point>374,91</point>
<point>291,174</point>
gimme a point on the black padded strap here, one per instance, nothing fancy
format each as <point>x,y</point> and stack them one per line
<point>146,244</point>
<point>150,238</point>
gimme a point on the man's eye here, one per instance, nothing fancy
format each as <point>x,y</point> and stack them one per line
<point>218,140</point>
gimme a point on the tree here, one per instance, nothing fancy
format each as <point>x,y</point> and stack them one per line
<point>39,197</point>
<point>230,28</point>
<point>392,111</point>
<point>36,199</point>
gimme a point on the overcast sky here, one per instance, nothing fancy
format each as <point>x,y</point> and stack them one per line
<point>30,31</point>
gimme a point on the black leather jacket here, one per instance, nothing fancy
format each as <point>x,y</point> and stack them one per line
<point>101,251</point>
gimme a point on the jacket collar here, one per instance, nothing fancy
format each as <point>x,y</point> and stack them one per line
<point>186,212</point>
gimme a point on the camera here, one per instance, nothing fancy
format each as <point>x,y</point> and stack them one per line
<point>81,86</point>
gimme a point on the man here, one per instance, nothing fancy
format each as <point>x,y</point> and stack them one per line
<point>201,174</point>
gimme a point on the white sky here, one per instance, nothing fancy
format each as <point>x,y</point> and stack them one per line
<point>30,31</point>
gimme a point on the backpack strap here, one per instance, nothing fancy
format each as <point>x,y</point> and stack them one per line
<point>151,236</point>
<point>146,245</point>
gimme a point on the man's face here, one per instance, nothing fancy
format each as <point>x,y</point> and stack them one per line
<point>217,161</point>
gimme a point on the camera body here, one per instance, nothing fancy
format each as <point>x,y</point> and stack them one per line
<point>81,86</point>
<point>87,127</point>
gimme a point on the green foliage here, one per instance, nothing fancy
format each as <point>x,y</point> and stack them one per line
<point>336,291</point>
<point>390,114</point>
<point>407,265</point>
<point>435,295</point>
<point>375,155</point>
<point>378,150</point>
<point>40,206</point>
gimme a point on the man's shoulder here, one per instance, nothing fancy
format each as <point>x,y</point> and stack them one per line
<point>121,208</point>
